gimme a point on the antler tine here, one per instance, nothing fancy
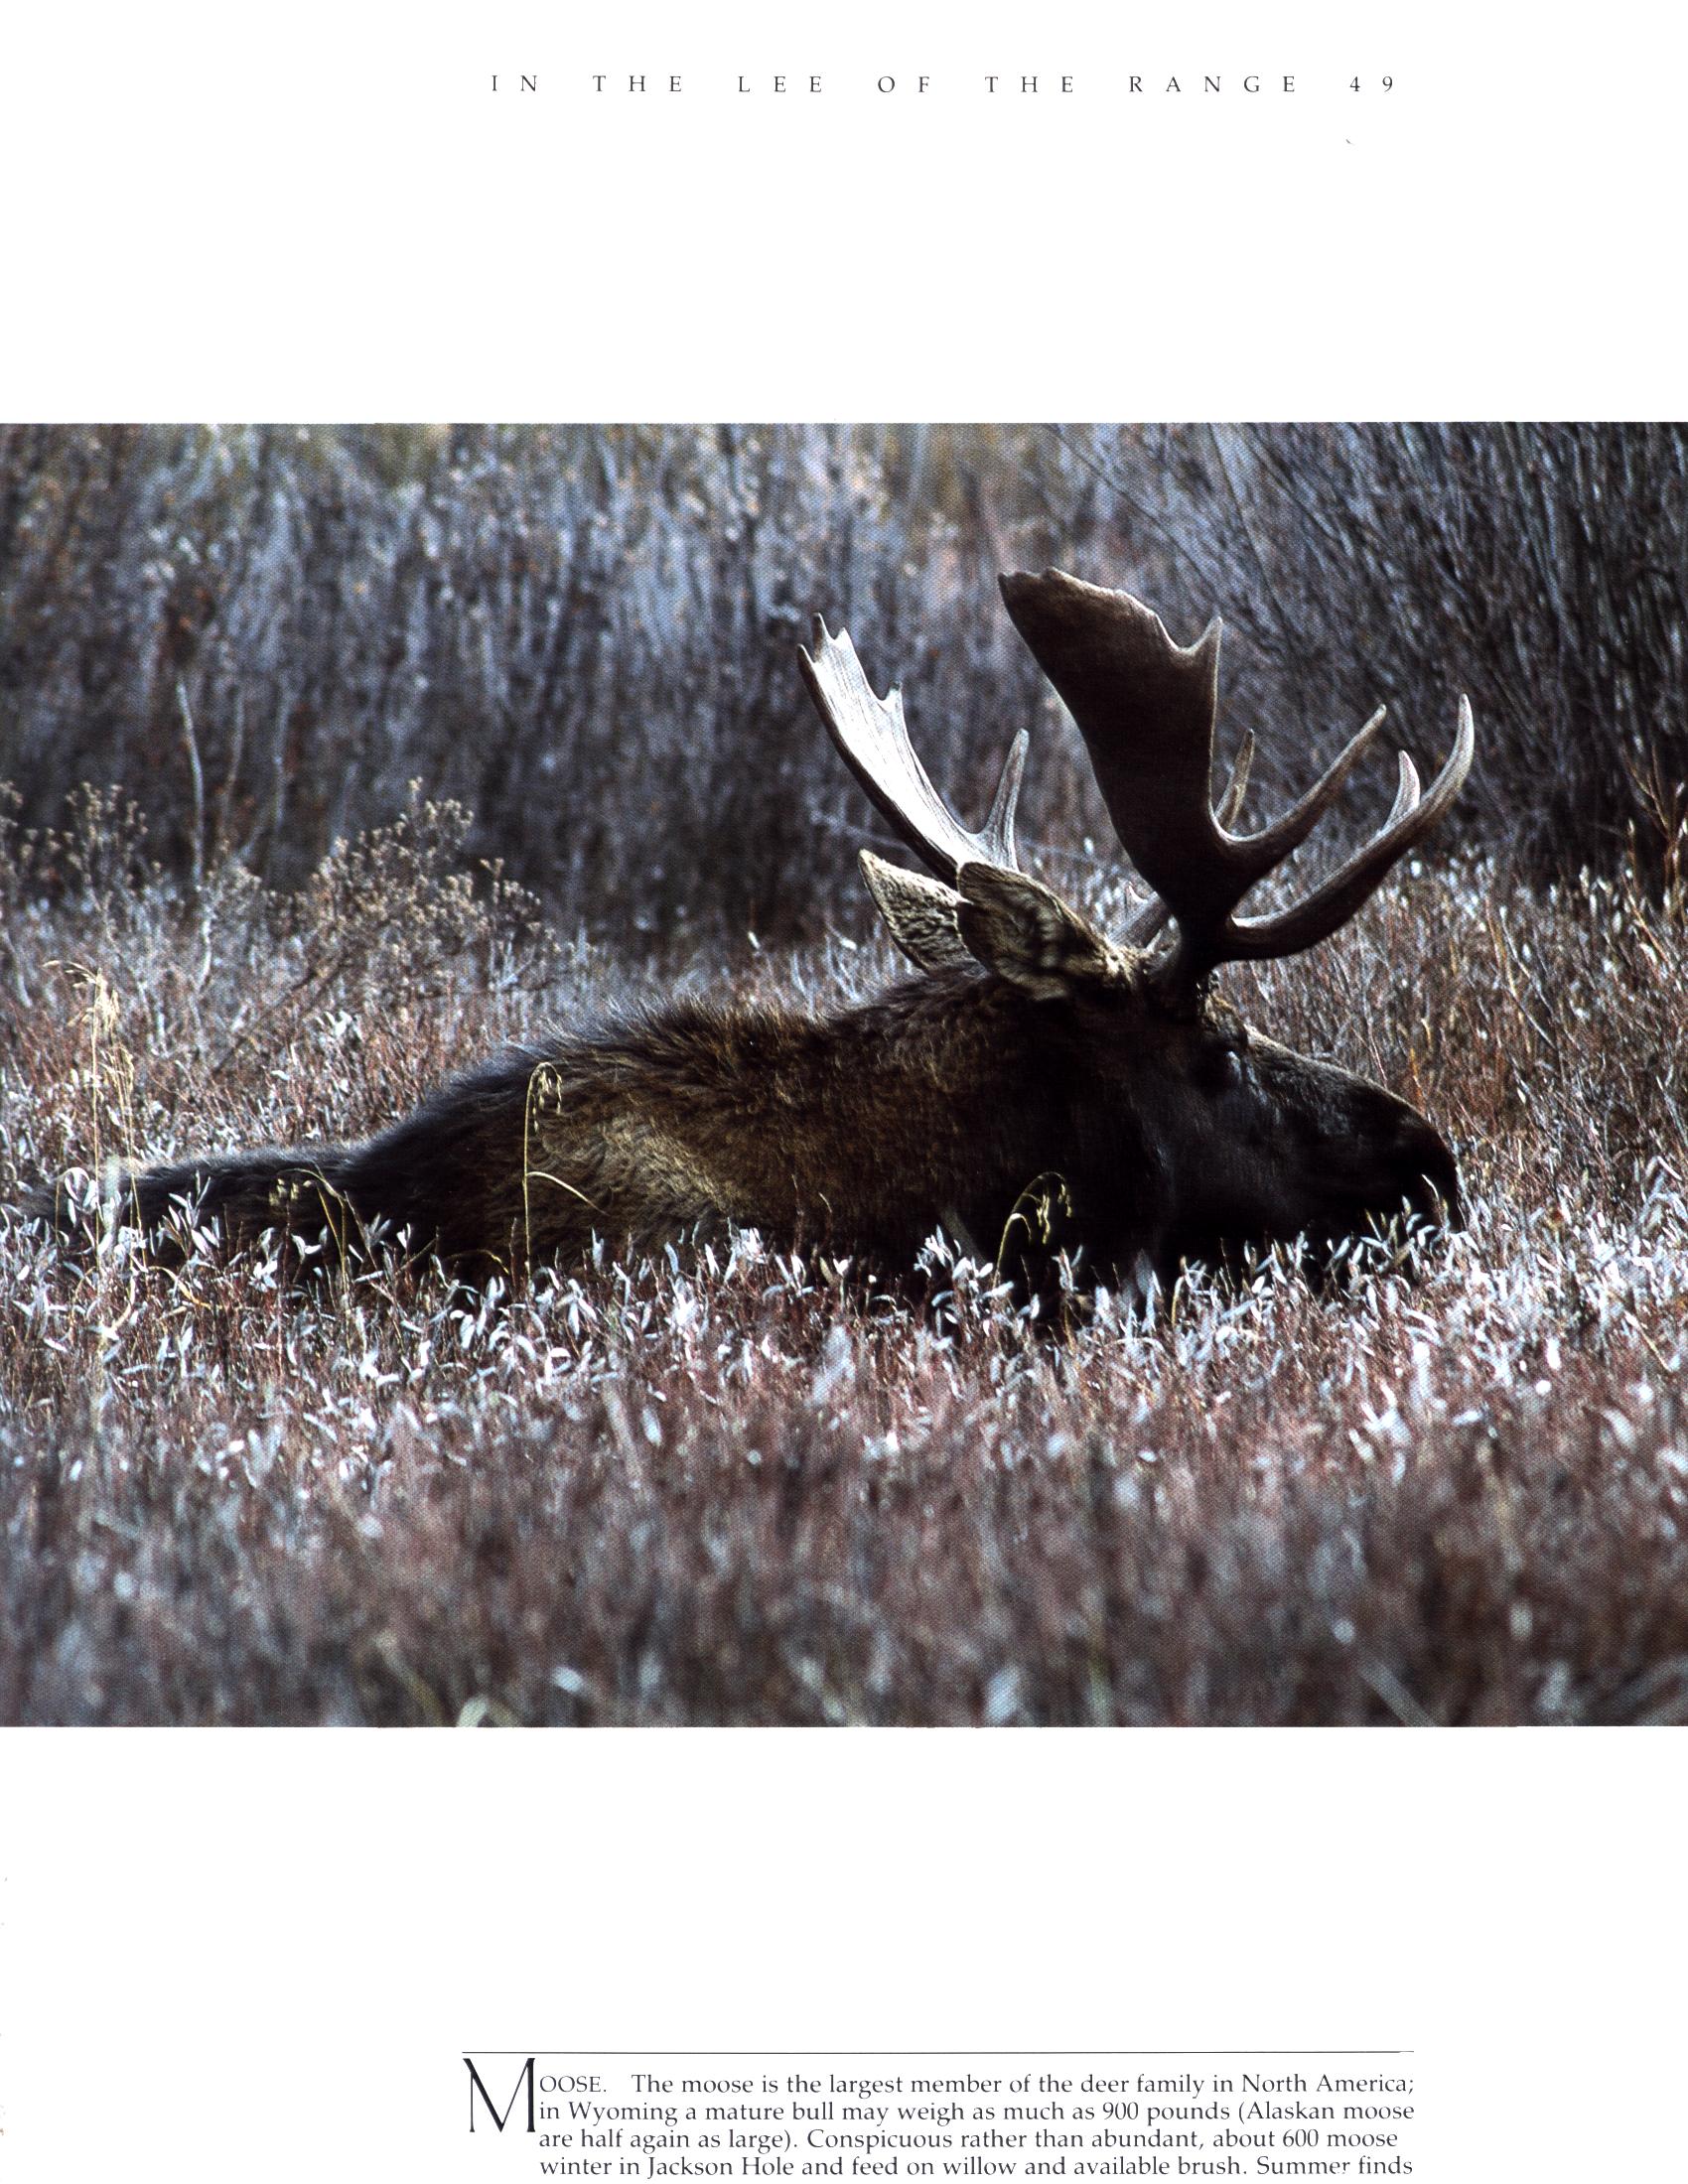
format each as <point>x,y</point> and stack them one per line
<point>871,738</point>
<point>1336,900</point>
<point>998,830</point>
<point>1231,805</point>
<point>1265,851</point>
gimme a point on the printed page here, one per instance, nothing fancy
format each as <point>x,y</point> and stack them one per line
<point>841,891</point>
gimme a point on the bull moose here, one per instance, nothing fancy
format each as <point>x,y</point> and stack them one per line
<point>1029,1051</point>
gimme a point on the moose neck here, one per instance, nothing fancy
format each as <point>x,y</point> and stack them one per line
<point>943,1100</point>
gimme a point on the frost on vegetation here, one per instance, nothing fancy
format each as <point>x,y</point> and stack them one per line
<point>744,1483</point>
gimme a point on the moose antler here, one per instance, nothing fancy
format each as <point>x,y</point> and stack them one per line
<point>873,739</point>
<point>872,735</point>
<point>1145,708</point>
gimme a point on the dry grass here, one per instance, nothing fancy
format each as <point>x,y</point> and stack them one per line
<point>764,1491</point>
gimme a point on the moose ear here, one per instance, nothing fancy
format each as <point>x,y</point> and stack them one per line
<point>920,914</point>
<point>1025,933</point>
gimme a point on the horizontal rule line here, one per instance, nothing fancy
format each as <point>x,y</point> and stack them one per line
<point>984,2054</point>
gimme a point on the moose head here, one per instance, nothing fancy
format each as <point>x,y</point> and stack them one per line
<point>1187,1133</point>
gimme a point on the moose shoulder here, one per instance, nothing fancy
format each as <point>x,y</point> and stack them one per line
<point>1030,1051</point>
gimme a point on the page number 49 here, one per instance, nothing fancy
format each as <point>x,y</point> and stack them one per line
<point>1384,82</point>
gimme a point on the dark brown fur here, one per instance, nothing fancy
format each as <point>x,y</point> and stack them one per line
<point>953,1102</point>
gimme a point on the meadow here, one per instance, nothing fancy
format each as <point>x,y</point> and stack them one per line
<point>739,1487</point>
